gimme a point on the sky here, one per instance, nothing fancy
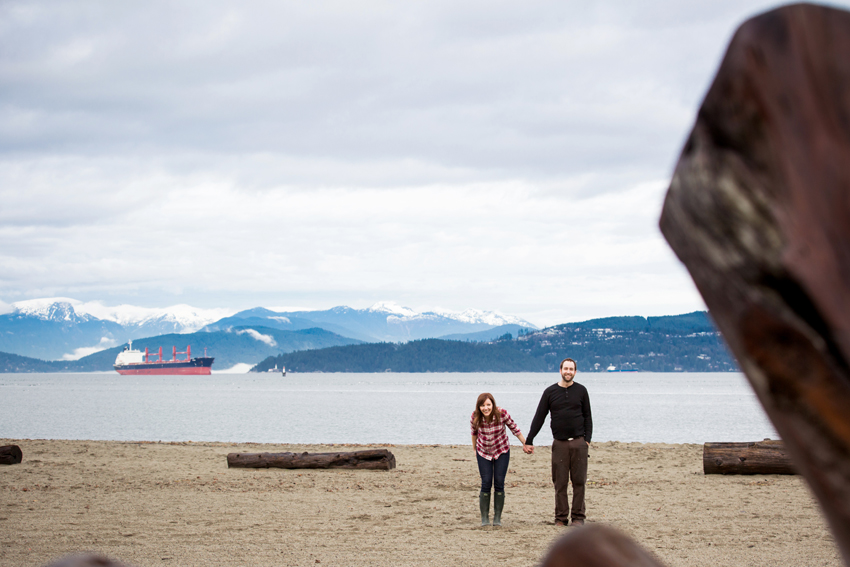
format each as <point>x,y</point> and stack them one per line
<point>504,156</point>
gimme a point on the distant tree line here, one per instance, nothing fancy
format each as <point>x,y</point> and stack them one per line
<point>426,355</point>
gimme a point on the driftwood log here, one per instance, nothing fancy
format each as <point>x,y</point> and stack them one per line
<point>372,459</point>
<point>760,457</point>
<point>758,210</point>
<point>11,455</point>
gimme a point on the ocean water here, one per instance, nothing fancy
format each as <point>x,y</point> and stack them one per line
<point>428,408</point>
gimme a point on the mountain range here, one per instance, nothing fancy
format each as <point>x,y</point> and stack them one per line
<point>383,322</point>
<point>65,335</point>
<point>66,329</point>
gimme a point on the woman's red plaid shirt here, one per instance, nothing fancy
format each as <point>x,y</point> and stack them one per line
<point>492,437</point>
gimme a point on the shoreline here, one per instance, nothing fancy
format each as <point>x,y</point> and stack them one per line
<point>176,502</point>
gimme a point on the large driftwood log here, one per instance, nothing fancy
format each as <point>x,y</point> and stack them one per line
<point>372,459</point>
<point>11,455</point>
<point>760,457</point>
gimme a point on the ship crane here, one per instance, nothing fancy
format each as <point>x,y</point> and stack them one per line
<point>188,353</point>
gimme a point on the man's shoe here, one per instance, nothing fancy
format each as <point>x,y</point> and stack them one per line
<point>578,522</point>
<point>560,523</point>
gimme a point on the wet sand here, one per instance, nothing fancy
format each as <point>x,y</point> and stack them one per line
<point>160,504</point>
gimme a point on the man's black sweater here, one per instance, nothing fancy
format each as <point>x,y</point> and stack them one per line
<point>570,409</point>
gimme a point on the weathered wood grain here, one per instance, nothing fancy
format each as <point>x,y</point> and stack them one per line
<point>760,457</point>
<point>373,459</point>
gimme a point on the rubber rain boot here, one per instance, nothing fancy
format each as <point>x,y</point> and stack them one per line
<point>498,504</point>
<point>484,504</point>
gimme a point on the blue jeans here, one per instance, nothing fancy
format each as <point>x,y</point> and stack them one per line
<point>493,472</point>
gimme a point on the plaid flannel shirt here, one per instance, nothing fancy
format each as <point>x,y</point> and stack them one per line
<point>492,438</point>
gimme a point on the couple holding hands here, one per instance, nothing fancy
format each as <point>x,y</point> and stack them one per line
<point>568,405</point>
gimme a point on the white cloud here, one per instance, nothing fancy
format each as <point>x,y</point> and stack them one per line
<point>257,336</point>
<point>484,245</point>
<point>78,353</point>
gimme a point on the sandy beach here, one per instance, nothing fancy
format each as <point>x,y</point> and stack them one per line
<point>155,503</point>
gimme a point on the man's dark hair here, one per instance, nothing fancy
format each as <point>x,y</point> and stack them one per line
<point>561,367</point>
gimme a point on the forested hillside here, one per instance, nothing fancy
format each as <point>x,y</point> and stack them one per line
<point>10,363</point>
<point>677,343</point>
<point>680,343</point>
<point>426,355</point>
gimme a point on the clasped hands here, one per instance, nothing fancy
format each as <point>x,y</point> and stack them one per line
<point>529,449</point>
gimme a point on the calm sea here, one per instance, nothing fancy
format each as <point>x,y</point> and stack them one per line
<point>366,408</point>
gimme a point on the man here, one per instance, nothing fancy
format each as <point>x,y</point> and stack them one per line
<point>569,405</point>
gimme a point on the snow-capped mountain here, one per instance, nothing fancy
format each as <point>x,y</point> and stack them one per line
<point>383,321</point>
<point>392,308</point>
<point>52,329</point>
<point>56,328</point>
<point>64,328</point>
<point>51,309</point>
<point>472,316</point>
<point>180,318</point>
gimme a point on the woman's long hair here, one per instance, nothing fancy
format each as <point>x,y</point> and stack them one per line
<point>495,415</point>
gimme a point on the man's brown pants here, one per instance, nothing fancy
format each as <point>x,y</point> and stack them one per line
<point>569,464</point>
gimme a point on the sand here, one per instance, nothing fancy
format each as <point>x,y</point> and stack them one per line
<point>178,504</point>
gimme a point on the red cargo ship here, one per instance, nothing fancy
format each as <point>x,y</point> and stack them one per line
<point>135,362</point>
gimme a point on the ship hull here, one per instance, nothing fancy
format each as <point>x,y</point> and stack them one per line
<point>196,366</point>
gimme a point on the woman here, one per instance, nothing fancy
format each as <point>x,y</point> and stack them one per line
<point>493,452</point>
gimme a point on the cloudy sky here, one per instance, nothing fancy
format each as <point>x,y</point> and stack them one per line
<point>507,156</point>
